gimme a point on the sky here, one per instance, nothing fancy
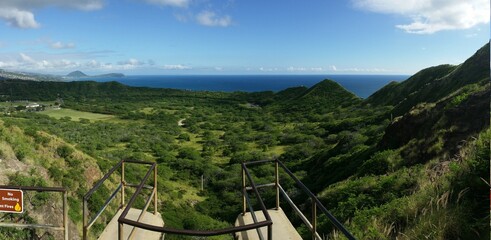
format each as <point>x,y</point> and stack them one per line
<point>149,37</point>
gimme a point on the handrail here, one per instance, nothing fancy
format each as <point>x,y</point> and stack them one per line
<point>253,215</point>
<point>336,223</point>
<point>45,226</point>
<point>230,230</point>
<point>101,181</point>
<point>87,223</point>
<point>315,201</point>
<point>132,201</point>
<point>37,189</point>
<point>98,214</point>
<point>123,220</point>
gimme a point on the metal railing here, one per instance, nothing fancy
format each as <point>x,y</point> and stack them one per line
<point>89,222</point>
<point>204,233</point>
<point>43,226</point>
<point>316,204</point>
<point>246,204</point>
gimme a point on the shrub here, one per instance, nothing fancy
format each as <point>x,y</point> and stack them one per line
<point>64,151</point>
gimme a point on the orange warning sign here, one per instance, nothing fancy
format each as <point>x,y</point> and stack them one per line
<point>11,201</point>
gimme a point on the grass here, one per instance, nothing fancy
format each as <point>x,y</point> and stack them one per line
<point>76,115</point>
<point>147,110</point>
<point>189,193</point>
<point>276,150</point>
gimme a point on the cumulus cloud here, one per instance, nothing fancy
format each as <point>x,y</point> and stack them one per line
<point>430,16</point>
<point>27,62</point>
<point>176,67</point>
<point>130,64</point>
<point>172,3</point>
<point>210,19</point>
<point>96,65</point>
<point>18,18</point>
<point>19,13</point>
<point>60,45</point>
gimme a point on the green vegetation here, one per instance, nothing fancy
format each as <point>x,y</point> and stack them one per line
<point>403,164</point>
<point>76,115</point>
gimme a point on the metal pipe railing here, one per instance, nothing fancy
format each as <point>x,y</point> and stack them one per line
<point>315,201</point>
<point>316,204</point>
<point>246,175</point>
<point>43,226</point>
<point>88,223</point>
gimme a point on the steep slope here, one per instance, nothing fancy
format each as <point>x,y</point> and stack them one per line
<point>395,92</point>
<point>434,83</point>
<point>438,129</point>
<point>35,158</point>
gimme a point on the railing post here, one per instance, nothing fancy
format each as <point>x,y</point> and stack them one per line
<point>86,217</point>
<point>122,184</point>
<point>314,219</point>
<point>120,231</point>
<point>270,231</point>
<point>277,184</point>
<point>155,189</point>
<point>243,191</point>
<point>65,214</point>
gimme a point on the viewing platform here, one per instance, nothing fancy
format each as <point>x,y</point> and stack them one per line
<point>282,227</point>
<point>111,230</point>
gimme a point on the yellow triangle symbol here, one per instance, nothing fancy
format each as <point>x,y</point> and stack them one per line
<point>17,207</point>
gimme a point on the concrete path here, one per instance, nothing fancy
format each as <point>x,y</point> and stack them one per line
<point>282,227</point>
<point>111,231</point>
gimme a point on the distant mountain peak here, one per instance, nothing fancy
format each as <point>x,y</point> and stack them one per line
<point>77,74</point>
<point>80,74</point>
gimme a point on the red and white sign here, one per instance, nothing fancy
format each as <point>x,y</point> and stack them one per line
<point>11,201</point>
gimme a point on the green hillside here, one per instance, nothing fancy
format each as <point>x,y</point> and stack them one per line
<point>434,83</point>
<point>409,162</point>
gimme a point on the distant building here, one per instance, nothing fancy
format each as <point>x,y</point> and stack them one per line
<point>33,105</point>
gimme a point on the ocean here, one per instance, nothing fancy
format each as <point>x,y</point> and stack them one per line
<point>361,85</point>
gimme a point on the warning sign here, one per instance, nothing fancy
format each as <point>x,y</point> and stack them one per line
<point>11,201</point>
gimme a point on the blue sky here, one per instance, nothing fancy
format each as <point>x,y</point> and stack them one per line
<point>239,36</point>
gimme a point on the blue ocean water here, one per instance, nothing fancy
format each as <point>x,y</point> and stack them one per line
<point>361,85</point>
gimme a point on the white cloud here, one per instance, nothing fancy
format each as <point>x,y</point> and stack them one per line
<point>304,69</point>
<point>263,69</point>
<point>172,3</point>
<point>131,62</point>
<point>358,70</point>
<point>210,19</point>
<point>176,67</point>
<point>25,58</point>
<point>18,18</point>
<point>430,16</point>
<point>19,13</point>
<point>60,45</point>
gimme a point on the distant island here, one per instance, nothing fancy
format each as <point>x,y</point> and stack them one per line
<point>80,74</point>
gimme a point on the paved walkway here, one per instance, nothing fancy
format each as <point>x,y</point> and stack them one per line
<point>111,231</point>
<point>282,227</point>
